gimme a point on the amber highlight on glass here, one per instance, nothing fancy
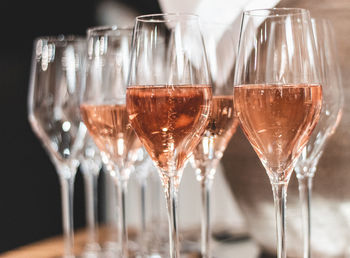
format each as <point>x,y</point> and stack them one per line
<point>223,124</point>
<point>178,111</point>
<point>278,94</point>
<point>169,98</point>
<point>221,41</point>
<point>104,113</point>
<point>57,76</point>
<point>278,120</point>
<point>109,126</point>
<point>332,106</point>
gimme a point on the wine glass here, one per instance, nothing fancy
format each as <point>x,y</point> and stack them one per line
<point>155,232</point>
<point>169,104</point>
<point>90,166</point>
<point>277,94</point>
<point>57,75</point>
<point>220,42</point>
<point>104,112</point>
<point>141,173</point>
<point>332,105</point>
<point>149,241</point>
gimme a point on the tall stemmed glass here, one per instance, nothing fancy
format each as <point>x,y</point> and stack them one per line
<point>277,94</point>
<point>53,102</point>
<point>90,167</point>
<point>104,112</point>
<point>220,42</point>
<point>141,172</point>
<point>154,235</point>
<point>169,105</point>
<point>332,105</point>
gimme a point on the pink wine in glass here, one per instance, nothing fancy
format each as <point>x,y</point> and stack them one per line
<point>278,120</point>
<point>169,120</point>
<point>222,125</point>
<point>110,128</point>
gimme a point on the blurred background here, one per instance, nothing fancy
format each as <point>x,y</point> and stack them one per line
<point>30,193</point>
<point>29,187</point>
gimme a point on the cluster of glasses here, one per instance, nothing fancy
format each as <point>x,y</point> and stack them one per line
<point>173,89</point>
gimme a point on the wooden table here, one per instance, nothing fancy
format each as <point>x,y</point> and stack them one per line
<point>52,247</point>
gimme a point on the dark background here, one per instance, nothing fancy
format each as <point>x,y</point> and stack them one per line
<point>29,187</point>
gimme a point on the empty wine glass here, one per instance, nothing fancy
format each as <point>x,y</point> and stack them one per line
<point>277,94</point>
<point>57,75</point>
<point>104,112</point>
<point>332,104</point>
<point>220,42</point>
<point>169,104</point>
<point>90,166</point>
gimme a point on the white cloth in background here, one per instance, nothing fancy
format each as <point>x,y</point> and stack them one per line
<point>218,11</point>
<point>225,11</point>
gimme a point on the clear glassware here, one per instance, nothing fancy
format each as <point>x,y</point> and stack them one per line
<point>156,224</point>
<point>57,75</point>
<point>110,212</point>
<point>277,94</point>
<point>332,106</point>
<point>221,43</point>
<point>141,173</point>
<point>152,227</point>
<point>90,167</point>
<point>169,98</point>
<point>104,112</point>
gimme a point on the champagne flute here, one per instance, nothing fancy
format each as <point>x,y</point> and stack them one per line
<point>277,94</point>
<point>57,75</point>
<point>90,166</point>
<point>332,105</point>
<point>104,112</point>
<point>169,104</point>
<point>220,43</point>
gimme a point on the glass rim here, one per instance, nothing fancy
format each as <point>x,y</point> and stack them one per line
<point>61,38</point>
<point>155,18</point>
<point>107,30</point>
<point>276,12</point>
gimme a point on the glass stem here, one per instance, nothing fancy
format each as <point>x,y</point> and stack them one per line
<point>143,184</point>
<point>123,231</point>
<point>280,198</point>
<point>90,180</point>
<point>157,234</point>
<point>171,198</point>
<point>206,184</point>
<point>67,189</point>
<point>305,189</point>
